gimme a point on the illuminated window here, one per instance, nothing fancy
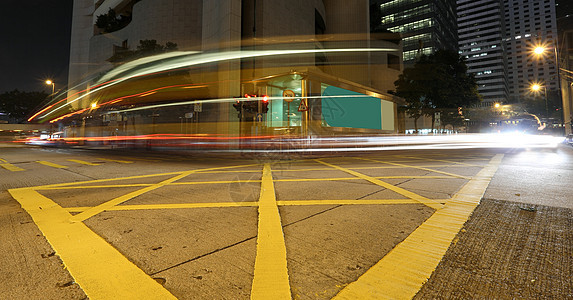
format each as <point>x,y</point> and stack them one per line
<point>426,23</point>
<point>394,3</point>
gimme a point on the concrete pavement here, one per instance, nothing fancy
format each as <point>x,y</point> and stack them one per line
<point>190,227</point>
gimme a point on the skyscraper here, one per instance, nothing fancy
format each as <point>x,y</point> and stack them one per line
<point>481,40</point>
<point>564,11</point>
<point>530,23</point>
<point>425,25</point>
<point>498,38</point>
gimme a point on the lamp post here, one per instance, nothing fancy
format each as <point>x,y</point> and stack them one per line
<point>539,51</point>
<point>50,82</point>
<point>535,88</point>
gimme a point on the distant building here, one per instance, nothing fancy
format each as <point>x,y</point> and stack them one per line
<point>425,25</point>
<point>481,31</point>
<point>564,10</point>
<point>224,29</point>
<point>530,23</point>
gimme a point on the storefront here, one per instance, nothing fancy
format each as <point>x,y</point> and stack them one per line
<point>316,104</point>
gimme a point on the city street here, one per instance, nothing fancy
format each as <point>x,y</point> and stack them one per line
<point>424,224</point>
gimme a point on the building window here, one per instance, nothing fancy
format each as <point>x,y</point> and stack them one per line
<point>394,62</point>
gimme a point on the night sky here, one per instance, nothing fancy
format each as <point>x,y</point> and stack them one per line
<point>35,44</point>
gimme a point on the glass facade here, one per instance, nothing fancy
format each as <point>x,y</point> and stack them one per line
<point>425,25</point>
<point>329,107</point>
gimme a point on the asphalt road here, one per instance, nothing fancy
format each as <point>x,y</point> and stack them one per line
<point>80,224</point>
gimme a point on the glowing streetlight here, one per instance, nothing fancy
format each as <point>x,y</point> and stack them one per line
<point>94,105</point>
<point>50,82</point>
<point>536,87</point>
<point>497,105</point>
<point>539,50</point>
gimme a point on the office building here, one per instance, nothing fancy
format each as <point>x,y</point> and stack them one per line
<point>425,25</point>
<point>481,41</point>
<point>288,51</point>
<point>531,23</point>
<point>564,11</point>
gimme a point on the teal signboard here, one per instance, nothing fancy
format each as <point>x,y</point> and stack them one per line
<point>344,108</point>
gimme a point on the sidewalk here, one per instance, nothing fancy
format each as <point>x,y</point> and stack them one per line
<point>508,250</point>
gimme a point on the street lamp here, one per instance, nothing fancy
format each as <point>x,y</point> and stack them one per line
<point>535,87</point>
<point>50,82</point>
<point>539,50</point>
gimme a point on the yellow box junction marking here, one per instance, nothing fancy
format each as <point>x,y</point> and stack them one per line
<point>116,160</point>
<point>104,206</point>
<point>428,202</point>
<point>416,167</point>
<point>8,166</point>
<point>100,270</point>
<point>443,160</point>
<point>49,164</point>
<point>403,271</point>
<point>83,162</point>
<point>271,273</point>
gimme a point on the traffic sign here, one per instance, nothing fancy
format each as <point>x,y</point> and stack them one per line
<point>288,95</point>
<point>259,117</point>
<point>303,106</point>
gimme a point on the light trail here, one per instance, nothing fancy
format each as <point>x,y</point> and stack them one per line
<point>180,60</point>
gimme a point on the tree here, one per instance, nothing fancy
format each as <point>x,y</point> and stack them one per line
<point>438,82</point>
<point>145,48</point>
<point>18,105</point>
<point>412,87</point>
<point>109,22</point>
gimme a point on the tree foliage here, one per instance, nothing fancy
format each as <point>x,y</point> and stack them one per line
<point>110,22</point>
<point>18,105</point>
<point>145,48</point>
<point>438,82</point>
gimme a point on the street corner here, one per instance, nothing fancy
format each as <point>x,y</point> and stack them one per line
<point>315,228</point>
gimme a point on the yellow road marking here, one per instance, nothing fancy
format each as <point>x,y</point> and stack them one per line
<point>142,159</point>
<point>429,202</point>
<point>11,167</point>
<point>248,204</point>
<point>101,271</point>
<point>416,167</point>
<point>345,202</point>
<point>271,275</point>
<point>67,184</point>
<point>53,165</point>
<point>356,178</point>
<point>83,162</point>
<point>229,171</point>
<point>442,160</point>
<point>326,169</point>
<point>8,166</point>
<point>116,160</point>
<point>51,186</point>
<point>104,206</point>
<point>93,186</point>
<point>215,182</point>
<point>403,271</point>
<point>170,206</point>
<point>61,187</point>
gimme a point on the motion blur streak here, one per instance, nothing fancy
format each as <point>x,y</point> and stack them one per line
<point>221,100</point>
<point>274,144</point>
<point>180,60</point>
<point>142,94</point>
